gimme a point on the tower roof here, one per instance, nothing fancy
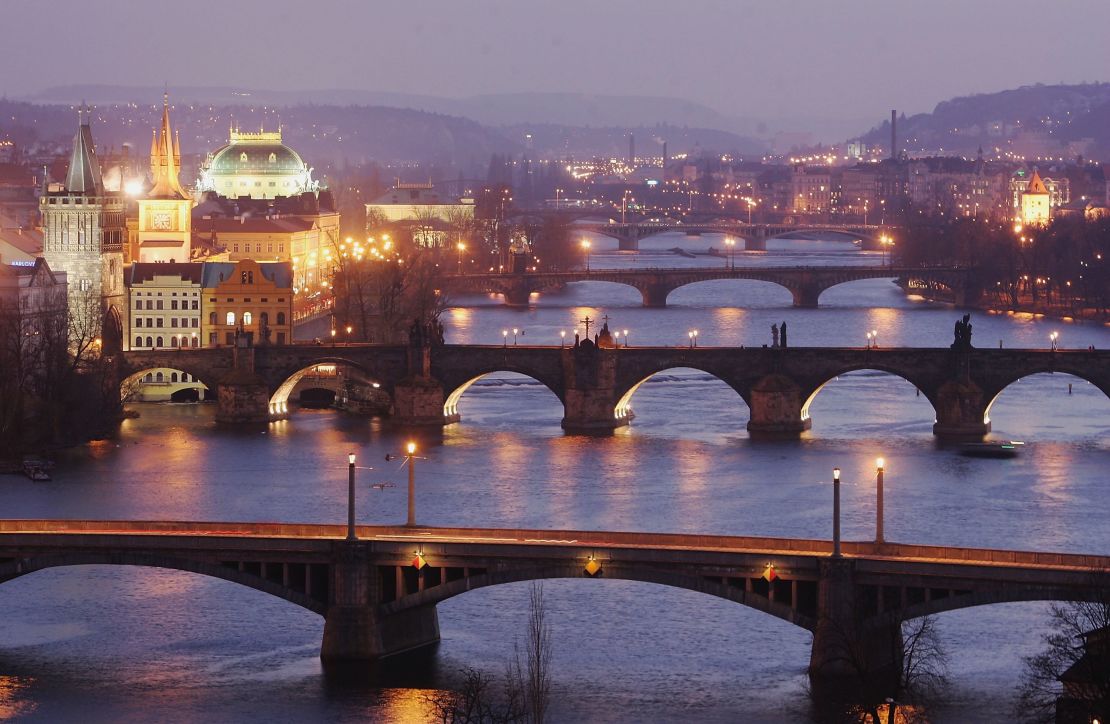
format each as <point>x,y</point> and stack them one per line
<point>1036,185</point>
<point>84,168</point>
<point>165,159</point>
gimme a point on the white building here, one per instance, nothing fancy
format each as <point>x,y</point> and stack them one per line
<point>164,302</point>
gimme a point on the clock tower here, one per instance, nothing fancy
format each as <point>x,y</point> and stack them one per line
<point>165,214</point>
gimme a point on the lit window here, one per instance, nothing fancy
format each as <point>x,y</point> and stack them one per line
<point>243,157</point>
<point>246,319</point>
<point>231,317</point>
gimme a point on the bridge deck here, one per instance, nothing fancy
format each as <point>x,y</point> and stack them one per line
<point>159,534</point>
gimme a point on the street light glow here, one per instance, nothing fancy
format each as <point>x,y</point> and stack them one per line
<point>411,448</point>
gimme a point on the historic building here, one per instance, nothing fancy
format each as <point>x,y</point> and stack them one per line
<point>32,300</point>
<point>1036,202</point>
<point>247,298</point>
<point>164,305</point>
<point>421,207</point>
<point>257,165</point>
<point>83,236</point>
<point>164,223</point>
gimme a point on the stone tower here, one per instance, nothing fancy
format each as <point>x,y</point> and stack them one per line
<point>165,213</point>
<point>83,233</point>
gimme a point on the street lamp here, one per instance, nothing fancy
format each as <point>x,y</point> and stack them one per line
<point>625,333</point>
<point>586,246</point>
<point>351,497</point>
<point>515,332</point>
<point>461,247</point>
<point>836,513</point>
<point>875,338</point>
<point>731,244</point>
<point>879,500</point>
<point>349,334</point>
<point>1053,337</point>
<point>562,338</point>
<point>868,340</point>
<point>411,460</point>
<point>504,338</point>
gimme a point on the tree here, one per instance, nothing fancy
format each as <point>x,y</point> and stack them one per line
<point>1040,687</point>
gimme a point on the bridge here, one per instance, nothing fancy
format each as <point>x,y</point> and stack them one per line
<point>596,385</point>
<point>378,594</point>
<point>755,236</point>
<point>805,284</point>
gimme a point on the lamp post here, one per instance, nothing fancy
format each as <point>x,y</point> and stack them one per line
<point>730,260</point>
<point>868,340</point>
<point>349,334</point>
<point>515,333</point>
<point>557,193</point>
<point>562,338</point>
<point>586,246</point>
<point>1053,337</point>
<point>836,513</point>
<point>879,500</point>
<point>625,333</point>
<point>875,338</point>
<point>351,497</point>
<point>504,338</point>
<point>461,247</point>
<point>411,459</point>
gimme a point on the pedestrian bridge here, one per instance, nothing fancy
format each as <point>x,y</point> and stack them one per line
<point>378,593</point>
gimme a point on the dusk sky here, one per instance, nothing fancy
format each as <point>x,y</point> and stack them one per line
<point>781,59</point>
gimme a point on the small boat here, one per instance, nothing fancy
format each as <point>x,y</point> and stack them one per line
<point>997,449</point>
<point>36,470</point>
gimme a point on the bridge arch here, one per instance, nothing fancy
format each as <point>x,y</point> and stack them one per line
<point>164,374</point>
<point>326,370</point>
<point>760,287</point>
<point>458,389</point>
<point>1049,367</point>
<point>925,390</point>
<point>303,595</point>
<point>1002,594</point>
<point>734,593</point>
<point>623,408</point>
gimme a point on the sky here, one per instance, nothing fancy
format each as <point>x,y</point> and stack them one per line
<point>771,59</point>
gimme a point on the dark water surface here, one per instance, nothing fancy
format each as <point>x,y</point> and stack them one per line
<point>135,645</point>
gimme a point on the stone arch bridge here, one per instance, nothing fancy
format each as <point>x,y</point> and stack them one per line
<point>596,386</point>
<point>378,594</point>
<point>755,236</point>
<point>805,284</point>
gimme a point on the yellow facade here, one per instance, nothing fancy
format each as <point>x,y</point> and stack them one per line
<point>247,297</point>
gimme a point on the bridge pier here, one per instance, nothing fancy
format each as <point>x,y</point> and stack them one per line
<point>354,628</point>
<point>806,296</point>
<point>847,649</point>
<point>961,412</point>
<point>757,241</point>
<point>655,295</point>
<point>517,295</point>
<point>628,243</point>
<point>590,399</point>
<point>242,396</point>
<point>418,399</point>
<point>777,409</point>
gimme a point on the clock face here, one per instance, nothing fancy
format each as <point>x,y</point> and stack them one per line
<point>162,221</point>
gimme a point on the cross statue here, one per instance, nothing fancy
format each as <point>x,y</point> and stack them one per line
<point>587,321</point>
<point>605,319</point>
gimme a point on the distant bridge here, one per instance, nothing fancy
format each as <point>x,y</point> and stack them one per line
<point>754,236</point>
<point>378,594</point>
<point>804,283</point>
<point>596,385</point>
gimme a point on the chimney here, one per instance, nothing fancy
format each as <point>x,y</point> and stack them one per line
<point>631,150</point>
<point>893,135</point>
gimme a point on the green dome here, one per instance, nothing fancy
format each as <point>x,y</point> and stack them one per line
<point>255,159</point>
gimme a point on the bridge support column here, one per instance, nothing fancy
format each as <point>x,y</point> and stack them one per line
<point>628,243</point>
<point>777,409</point>
<point>590,400</point>
<point>353,627</point>
<point>655,295</point>
<point>806,296</point>
<point>242,395</point>
<point>961,412</point>
<point>756,241</point>
<point>517,295</point>
<point>847,649</point>
<point>418,398</point>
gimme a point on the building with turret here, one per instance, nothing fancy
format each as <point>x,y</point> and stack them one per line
<point>84,230</point>
<point>1036,202</point>
<point>257,165</point>
<point>164,224</point>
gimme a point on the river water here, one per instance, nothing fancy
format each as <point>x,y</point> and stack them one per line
<point>135,645</point>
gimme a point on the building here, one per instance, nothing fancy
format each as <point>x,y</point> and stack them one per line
<point>1036,202</point>
<point>250,298</point>
<point>422,207</point>
<point>257,165</point>
<point>302,230</point>
<point>163,231</point>
<point>33,300</point>
<point>83,236</point>
<point>20,246</point>
<point>811,190</point>
<point>164,305</point>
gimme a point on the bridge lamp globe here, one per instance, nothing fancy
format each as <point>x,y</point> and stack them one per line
<point>350,458</point>
<point>836,475</point>
<point>410,448</point>
<point>879,464</point>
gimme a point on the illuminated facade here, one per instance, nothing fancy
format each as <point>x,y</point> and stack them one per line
<point>247,298</point>
<point>1036,202</point>
<point>257,165</point>
<point>164,226</point>
<point>164,305</point>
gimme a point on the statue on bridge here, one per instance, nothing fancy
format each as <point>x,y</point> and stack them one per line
<point>426,334</point>
<point>774,335</point>
<point>962,333</point>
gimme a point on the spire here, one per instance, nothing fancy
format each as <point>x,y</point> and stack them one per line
<point>1036,185</point>
<point>164,159</point>
<point>84,168</point>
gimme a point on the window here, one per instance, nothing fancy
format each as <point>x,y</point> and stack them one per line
<point>281,318</point>
<point>173,376</point>
<point>149,377</point>
<point>258,248</point>
<point>269,246</point>
<point>173,304</point>
<point>160,343</point>
<point>149,304</point>
<point>230,318</point>
<point>194,322</point>
<point>281,248</point>
<point>138,321</point>
<point>161,322</point>
<point>149,342</point>
<point>158,305</point>
<point>138,341</point>
<point>212,319</point>
<point>243,157</point>
<point>196,341</point>
<point>273,159</point>
<point>247,277</point>
<point>138,304</point>
<point>235,248</point>
<point>160,377</point>
<point>196,305</point>
<point>246,319</point>
<point>212,339</point>
<point>264,319</point>
<point>85,285</point>
<point>173,321</point>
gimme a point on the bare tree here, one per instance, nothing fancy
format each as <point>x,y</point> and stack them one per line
<point>533,677</point>
<point>1065,651</point>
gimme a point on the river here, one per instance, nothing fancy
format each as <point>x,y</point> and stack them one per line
<point>101,643</point>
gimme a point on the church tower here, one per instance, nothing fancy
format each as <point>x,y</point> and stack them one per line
<point>165,213</point>
<point>83,233</point>
<point>1036,202</point>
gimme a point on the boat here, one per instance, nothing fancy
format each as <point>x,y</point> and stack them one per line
<point>36,470</point>
<point>994,449</point>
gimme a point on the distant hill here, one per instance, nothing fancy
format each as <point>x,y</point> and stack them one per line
<point>1031,121</point>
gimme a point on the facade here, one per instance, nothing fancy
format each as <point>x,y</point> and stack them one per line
<point>164,305</point>
<point>83,236</point>
<point>1036,202</point>
<point>257,165</point>
<point>811,190</point>
<point>306,243</point>
<point>422,206</point>
<point>163,231</point>
<point>247,297</point>
<point>20,246</point>
<point>32,300</point>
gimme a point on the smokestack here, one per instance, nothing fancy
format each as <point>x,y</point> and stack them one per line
<point>665,163</point>
<point>631,150</point>
<point>893,135</point>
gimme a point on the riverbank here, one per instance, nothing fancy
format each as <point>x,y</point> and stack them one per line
<point>1025,305</point>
